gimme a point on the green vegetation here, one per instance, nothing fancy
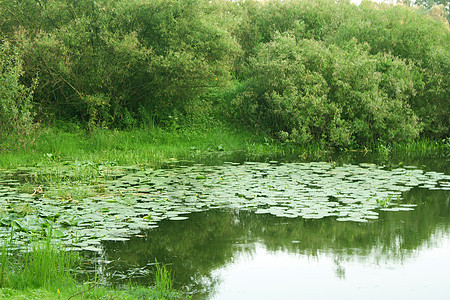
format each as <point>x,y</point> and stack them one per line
<point>149,148</point>
<point>329,73</point>
<point>304,91</point>
<point>115,203</point>
<point>97,95</point>
<point>16,119</point>
<point>45,272</point>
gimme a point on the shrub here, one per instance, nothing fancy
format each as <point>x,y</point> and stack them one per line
<point>302,91</point>
<point>16,117</point>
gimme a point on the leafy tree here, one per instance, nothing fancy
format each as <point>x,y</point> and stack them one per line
<point>103,62</point>
<point>307,70</point>
<point>417,38</point>
<point>429,4</point>
<point>16,117</point>
<point>302,91</point>
<point>192,52</point>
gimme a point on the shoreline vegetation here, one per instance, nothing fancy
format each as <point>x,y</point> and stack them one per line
<point>47,271</point>
<point>89,85</point>
<point>316,72</point>
<point>159,148</point>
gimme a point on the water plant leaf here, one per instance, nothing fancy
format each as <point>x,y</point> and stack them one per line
<point>134,200</point>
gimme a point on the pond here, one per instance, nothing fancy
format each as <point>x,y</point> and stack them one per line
<point>232,254</point>
<point>259,230</point>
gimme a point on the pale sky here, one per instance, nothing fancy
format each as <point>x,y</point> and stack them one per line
<point>380,1</point>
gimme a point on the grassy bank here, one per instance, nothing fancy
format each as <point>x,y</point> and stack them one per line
<point>156,147</point>
<point>45,272</point>
<point>151,147</point>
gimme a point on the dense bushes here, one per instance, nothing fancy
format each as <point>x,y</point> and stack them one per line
<point>303,71</point>
<point>16,119</point>
<point>103,62</point>
<point>387,71</point>
<point>419,39</point>
<point>302,90</point>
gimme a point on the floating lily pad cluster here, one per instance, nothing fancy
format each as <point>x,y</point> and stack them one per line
<point>137,201</point>
<point>77,170</point>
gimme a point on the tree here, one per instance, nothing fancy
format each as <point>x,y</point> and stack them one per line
<point>16,117</point>
<point>429,4</point>
<point>105,62</point>
<point>303,91</point>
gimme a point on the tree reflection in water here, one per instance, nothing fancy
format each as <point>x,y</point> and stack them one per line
<point>210,240</point>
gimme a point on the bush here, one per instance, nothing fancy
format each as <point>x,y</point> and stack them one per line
<point>422,41</point>
<point>103,62</point>
<point>302,91</point>
<point>16,117</point>
<point>312,70</point>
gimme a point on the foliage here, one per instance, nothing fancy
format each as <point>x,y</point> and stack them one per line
<point>101,61</point>
<point>398,32</point>
<point>302,91</point>
<point>433,5</point>
<point>45,272</point>
<point>360,73</point>
<point>44,265</point>
<point>16,117</point>
<point>422,41</point>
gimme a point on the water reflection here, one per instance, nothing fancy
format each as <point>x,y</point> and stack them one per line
<point>242,255</point>
<point>284,275</point>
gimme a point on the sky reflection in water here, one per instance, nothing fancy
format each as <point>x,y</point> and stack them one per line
<point>266,274</point>
<point>235,254</point>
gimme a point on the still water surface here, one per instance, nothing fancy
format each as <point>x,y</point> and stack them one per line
<point>236,254</point>
<point>341,229</point>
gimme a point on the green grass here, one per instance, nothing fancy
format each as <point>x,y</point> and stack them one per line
<point>156,147</point>
<point>423,148</point>
<point>126,293</point>
<point>150,147</point>
<point>44,272</point>
<point>44,265</point>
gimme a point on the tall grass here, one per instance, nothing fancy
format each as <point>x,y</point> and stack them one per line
<point>151,147</point>
<point>43,265</point>
<point>4,261</point>
<point>44,272</point>
<point>154,147</point>
<point>164,281</point>
<point>423,148</point>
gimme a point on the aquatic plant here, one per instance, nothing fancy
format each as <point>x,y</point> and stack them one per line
<point>45,271</point>
<point>138,199</point>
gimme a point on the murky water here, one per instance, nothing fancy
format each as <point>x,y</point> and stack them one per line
<point>231,254</point>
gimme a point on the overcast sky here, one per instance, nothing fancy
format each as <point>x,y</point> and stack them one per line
<point>359,1</point>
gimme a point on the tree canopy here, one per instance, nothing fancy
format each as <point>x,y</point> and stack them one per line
<point>299,71</point>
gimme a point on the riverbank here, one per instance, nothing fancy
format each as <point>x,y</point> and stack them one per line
<point>157,147</point>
